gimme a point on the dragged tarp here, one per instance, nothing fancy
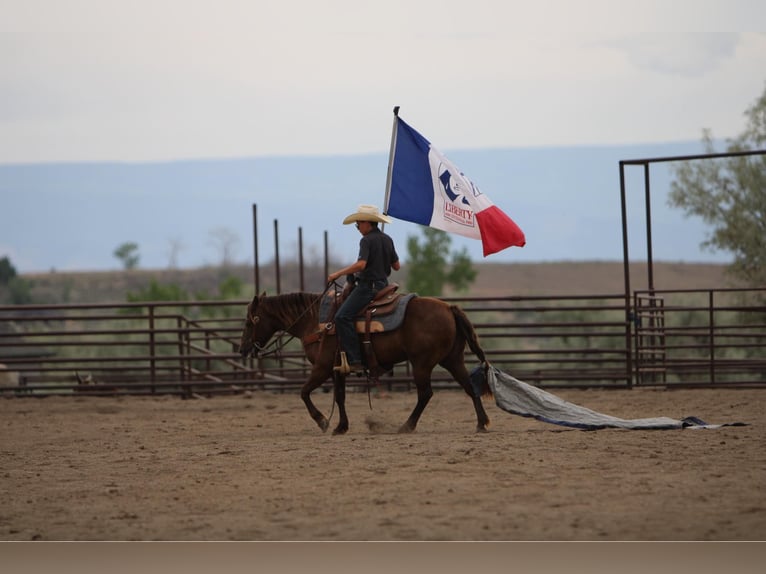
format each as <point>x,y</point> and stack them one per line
<point>519,398</point>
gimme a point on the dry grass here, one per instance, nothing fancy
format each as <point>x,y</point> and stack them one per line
<point>561,278</point>
<point>592,277</point>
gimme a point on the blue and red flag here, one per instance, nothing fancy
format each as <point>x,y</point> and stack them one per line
<point>427,188</point>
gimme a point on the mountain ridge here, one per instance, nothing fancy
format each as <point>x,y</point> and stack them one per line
<point>71,216</point>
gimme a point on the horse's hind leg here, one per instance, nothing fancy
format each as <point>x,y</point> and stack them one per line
<point>423,384</point>
<point>462,376</point>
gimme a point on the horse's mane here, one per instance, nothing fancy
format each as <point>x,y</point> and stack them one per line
<point>289,307</point>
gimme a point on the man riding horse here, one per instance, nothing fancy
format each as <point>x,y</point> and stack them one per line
<point>430,331</point>
<point>377,256</point>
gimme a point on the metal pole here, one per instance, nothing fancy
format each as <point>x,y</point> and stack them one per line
<point>256,274</point>
<point>626,270</point>
<point>390,163</point>
<point>693,157</point>
<point>326,257</point>
<point>152,350</point>
<point>300,258</point>
<point>649,260</point>
<point>711,336</point>
<point>276,256</point>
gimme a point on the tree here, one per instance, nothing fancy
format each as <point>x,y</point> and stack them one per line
<point>7,271</point>
<point>225,241</point>
<point>128,254</point>
<point>730,195</point>
<point>175,246</point>
<point>13,289</point>
<point>431,266</point>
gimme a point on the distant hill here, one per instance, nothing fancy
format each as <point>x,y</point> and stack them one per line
<point>493,280</point>
<point>72,216</point>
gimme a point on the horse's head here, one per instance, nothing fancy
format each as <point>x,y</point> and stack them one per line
<point>259,327</point>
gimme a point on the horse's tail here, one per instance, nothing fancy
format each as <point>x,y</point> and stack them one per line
<point>465,328</point>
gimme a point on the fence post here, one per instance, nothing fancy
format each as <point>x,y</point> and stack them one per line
<point>152,349</point>
<point>626,272</point>
<point>179,335</point>
<point>300,260</point>
<point>184,353</point>
<point>711,335</point>
<point>256,264</point>
<point>326,257</point>
<point>276,258</point>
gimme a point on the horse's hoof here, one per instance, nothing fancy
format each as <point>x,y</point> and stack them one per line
<point>340,430</point>
<point>406,429</point>
<point>324,424</point>
<point>482,429</point>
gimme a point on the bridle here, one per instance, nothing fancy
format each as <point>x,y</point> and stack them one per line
<point>263,351</point>
<point>276,342</point>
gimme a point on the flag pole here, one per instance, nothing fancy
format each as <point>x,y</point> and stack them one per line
<point>390,164</point>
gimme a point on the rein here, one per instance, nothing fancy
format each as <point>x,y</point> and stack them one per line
<point>277,341</point>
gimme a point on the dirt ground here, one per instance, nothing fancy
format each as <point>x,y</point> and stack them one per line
<point>255,467</point>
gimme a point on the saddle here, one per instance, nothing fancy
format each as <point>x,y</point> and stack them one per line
<point>384,313</point>
<point>385,302</point>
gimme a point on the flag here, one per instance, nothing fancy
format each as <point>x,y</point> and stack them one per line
<point>427,188</point>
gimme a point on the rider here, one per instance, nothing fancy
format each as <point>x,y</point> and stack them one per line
<point>377,256</point>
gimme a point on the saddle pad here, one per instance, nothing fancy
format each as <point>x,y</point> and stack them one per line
<point>378,324</point>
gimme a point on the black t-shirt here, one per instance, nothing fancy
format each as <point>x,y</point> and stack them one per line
<point>377,249</point>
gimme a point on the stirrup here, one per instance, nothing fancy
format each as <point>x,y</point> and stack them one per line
<point>343,368</point>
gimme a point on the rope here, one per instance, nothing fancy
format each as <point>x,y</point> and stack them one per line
<point>369,394</point>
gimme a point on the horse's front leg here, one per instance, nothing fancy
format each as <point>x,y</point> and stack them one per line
<point>339,384</point>
<point>315,380</point>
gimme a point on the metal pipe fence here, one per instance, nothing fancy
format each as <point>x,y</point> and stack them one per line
<point>687,338</point>
<point>692,337</point>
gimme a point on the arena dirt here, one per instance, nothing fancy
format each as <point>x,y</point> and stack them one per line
<point>256,467</point>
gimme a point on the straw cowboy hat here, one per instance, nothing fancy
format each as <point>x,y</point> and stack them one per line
<point>367,213</point>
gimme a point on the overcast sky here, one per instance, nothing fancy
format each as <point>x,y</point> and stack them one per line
<point>178,79</point>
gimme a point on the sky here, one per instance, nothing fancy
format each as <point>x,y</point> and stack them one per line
<point>161,80</point>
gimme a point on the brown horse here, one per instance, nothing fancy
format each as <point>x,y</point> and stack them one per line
<point>433,333</point>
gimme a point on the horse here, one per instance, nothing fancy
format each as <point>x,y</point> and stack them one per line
<point>432,333</point>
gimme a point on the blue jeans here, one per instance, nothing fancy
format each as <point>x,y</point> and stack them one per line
<point>345,326</point>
